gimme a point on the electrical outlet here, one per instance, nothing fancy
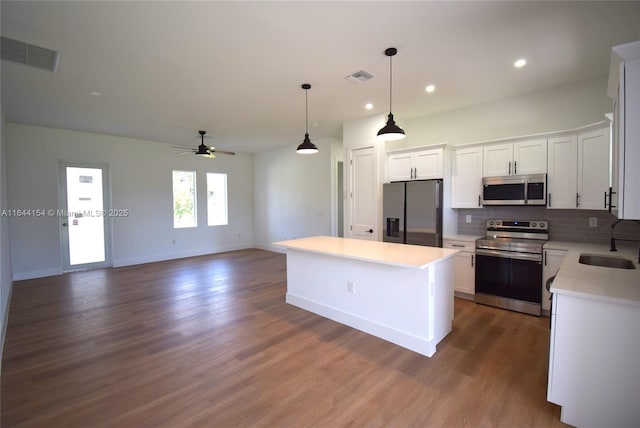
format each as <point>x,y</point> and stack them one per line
<point>467,219</point>
<point>593,221</point>
<point>351,287</point>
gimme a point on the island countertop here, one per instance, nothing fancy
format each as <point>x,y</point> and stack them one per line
<point>403,255</point>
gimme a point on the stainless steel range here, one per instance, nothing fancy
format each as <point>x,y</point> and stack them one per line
<point>509,265</point>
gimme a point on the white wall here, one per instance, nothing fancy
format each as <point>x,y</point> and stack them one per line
<point>554,109</point>
<point>293,194</point>
<point>6,283</point>
<point>140,182</point>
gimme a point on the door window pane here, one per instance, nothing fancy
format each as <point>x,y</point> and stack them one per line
<point>86,222</point>
<point>184,199</point>
<point>216,199</point>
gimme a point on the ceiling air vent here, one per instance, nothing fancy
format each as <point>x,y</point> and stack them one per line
<point>359,76</point>
<point>25,53</point>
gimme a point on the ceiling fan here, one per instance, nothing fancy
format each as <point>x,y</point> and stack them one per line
<point>203,150</point>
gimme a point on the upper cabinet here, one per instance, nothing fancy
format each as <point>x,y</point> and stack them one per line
<point>415,164</point>
<point>578,175</point>
<point>562,178</point>
<point>515,158</point>
<point>466,178</point>
<point>593,169</point>
<point>624,88</point>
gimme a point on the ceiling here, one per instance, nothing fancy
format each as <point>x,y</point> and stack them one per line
<point>167,69</point>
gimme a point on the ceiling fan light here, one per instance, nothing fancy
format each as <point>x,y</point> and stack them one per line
<point>307,147</point>
<point>391,131</point>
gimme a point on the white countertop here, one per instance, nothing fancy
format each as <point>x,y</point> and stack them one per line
<point>595,282</point>
<point>411,256</point>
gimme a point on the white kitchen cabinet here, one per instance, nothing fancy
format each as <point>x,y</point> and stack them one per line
<point>562,178</point>
<point>593,168</point>
<point>414,164</point>
<point>515,158</point>
<point>578,168</point>
<point>593,362</point>
<point>466,178</point>
<point>464,276</point>
<point>624,88</point>
<point>552,261</point>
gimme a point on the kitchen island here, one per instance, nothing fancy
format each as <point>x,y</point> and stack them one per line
<point>399,293</point>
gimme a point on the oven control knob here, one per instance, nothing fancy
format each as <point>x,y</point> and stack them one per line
<point>534,224</point>
<point>498,223</point>
<point>543,225</point>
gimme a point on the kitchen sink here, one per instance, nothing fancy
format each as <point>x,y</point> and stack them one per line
<point>606,261</point>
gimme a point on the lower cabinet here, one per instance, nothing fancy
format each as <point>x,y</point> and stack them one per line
<point>593,362</point>
<point>552,261</point>
<point>464,276</point>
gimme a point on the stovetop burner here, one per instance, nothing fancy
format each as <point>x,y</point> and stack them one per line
<point>515,235</point>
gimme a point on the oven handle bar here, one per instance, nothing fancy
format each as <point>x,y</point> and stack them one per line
<point>510,255</point>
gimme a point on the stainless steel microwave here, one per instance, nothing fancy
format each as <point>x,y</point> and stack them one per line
<point>515,190</point>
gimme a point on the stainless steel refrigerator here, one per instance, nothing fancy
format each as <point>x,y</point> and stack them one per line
<point>412,212</point>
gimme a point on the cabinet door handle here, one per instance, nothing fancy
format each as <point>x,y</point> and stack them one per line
<point>509,167</point>
<point>457,245</point>
<point>577,200</point>
<point>545,258</point>
<point>549,200</point>
<point>472,256</point>
<point>479,201</point>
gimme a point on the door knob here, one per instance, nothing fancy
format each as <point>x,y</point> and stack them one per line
<point>370,231</point>
<point>64,224</point>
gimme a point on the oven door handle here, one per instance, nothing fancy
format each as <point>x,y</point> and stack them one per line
<point>510,255</point>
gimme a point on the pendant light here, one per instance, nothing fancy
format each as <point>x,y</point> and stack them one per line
<point>391,131</point>
<point>307,147</point>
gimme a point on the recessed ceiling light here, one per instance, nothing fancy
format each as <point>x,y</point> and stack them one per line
<point>368,106</point>
<point>96,93</point>
<point>520,63</point>
<point>430,88</point>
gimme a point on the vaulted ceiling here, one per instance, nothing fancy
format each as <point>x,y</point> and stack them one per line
<point>167,69</point>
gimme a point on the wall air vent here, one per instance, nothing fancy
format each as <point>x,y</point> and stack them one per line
<point>359,76</point>
<point>27,54</point>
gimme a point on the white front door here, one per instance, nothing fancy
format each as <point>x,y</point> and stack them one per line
<point>85,223</point>
<point>363,194</point>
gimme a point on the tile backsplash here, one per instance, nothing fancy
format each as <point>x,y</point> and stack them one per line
<point>564,225</point>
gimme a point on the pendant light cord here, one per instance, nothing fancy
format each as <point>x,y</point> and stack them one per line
<point>306,111</point>
<point>390,83</point>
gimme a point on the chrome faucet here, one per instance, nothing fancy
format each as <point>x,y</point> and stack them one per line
<point>612,240</point>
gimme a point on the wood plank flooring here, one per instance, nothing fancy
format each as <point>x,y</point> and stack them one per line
<point>209,342</point>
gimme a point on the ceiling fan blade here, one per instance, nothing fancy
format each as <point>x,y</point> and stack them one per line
<point>224,152</point>
<point>182,147</point>
<point>186,153</point>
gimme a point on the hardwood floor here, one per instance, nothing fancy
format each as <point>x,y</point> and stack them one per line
<point>209,342</point>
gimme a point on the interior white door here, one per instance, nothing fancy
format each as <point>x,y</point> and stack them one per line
<point>85,225</point>
<point>363,194</point>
